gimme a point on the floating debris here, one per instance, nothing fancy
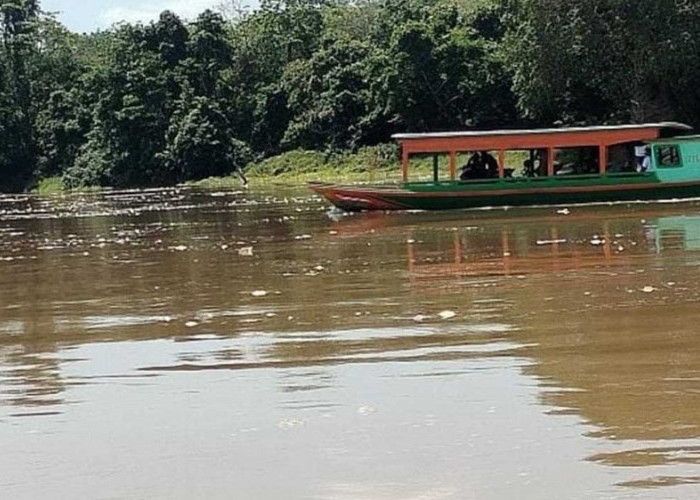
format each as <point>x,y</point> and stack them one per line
<point>180,248</point>
<point>367,410</point>
<point>191,324</point>
<point>290,423</point>
<point>419,318</point>
<point>596,241</point>
<point>260,293</point>
<point>410,242</point>
<point>551,242</point>
<point>564,211</point>
<point>303,237</point>
<point>445,315</point>
<point>648,289</point>
<point>245,252</point>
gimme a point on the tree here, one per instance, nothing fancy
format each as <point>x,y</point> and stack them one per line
<point>200,141</point>
<point>17,146</point>
<point>132,113</point>
<point>59,106</point>
<point>264,44</point>
<point>328,97</point>
<point>605,60</point>
<point>445,74</point>
<point>209,53</point>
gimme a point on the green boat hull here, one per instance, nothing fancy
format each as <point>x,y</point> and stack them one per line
<point>507,192</point>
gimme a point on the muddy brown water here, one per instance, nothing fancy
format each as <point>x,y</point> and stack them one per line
<point>179,344</point>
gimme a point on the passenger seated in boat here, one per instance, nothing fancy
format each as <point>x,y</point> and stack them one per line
<point>528,168</point>
<point>490,165</point>
<point>473,169</point>
<point>645,164</point>
<point>622,158</point>
<point>639,154</point>
<point>481,165</point>
<point>540,164</point>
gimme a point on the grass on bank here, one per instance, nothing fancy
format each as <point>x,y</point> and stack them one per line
<point>372,164</point>
<point>375,164</point>
<point>49,186</point>
<point>52,186</point>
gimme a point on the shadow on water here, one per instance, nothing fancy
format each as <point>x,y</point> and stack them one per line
<point>598,305</point>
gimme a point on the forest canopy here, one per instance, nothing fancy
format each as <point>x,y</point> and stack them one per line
<point>174,100</point>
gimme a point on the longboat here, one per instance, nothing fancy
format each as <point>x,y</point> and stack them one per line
<point>561,166</point>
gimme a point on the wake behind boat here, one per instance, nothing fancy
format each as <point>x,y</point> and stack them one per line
<point>536,167</point>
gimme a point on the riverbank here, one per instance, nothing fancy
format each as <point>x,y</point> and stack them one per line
<point>371,164</point>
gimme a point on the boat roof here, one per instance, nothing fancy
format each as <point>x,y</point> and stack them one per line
<point>560,130</point>
<point>693,137</point>
<point>607,135</point>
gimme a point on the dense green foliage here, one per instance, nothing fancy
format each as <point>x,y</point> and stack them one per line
<point>173,101</point>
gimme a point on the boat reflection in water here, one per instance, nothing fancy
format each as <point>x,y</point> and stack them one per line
<point>609,312</point>
<point>519,247</point>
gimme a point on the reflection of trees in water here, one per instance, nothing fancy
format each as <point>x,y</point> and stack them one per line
<point>629,368</point>
<point>633,369</point>
<point>30,376</point>
<point>83,267</point>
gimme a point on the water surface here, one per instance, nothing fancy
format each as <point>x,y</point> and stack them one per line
<point>184,344</point>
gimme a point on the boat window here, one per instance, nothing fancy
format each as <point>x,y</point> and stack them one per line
<point>624,157</point>
<point>425,167</point>
<point>474,165</point>
<point>525,163</point>
<point>668,156</point>
<point>576,161</point>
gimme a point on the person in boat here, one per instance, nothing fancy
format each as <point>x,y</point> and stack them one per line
<point>473,169</point>
<point>639,154</point>
<point>490,165</point>
<point>540,164</point>
<point>481,165</point>
<point>528,168</point>
<point>645,164</point>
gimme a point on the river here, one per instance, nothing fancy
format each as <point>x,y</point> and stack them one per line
<point>179,344</point>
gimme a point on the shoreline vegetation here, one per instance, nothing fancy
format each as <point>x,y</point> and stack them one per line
<point>374,164</point>
<point>315,89</point>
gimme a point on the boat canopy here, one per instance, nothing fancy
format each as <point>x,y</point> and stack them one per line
<point>535,138</point>
<point>549,139</point>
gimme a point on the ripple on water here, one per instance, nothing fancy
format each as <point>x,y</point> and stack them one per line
<point>116,321</point>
